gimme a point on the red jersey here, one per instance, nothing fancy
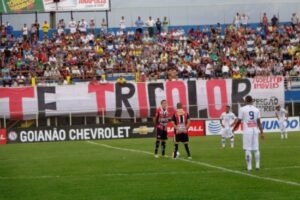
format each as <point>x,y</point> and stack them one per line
<point>161,116</point>
<point>180,118</point>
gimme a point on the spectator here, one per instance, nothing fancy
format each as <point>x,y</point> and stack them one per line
<point>7,80</point>
<point>165,25</point>
<point>237,20</point>
<point>92,26</point>
<point>122,23</point>
<point>45,28</point>
<point>158,25</point>
<point>121,80</point>
<point>83,26</point>
<point>104,26</point>
<point>274,20</point>
<point>61,27</point>
<point>244,20</point>
<point>150,23</point>
<point>25,32</point>
<point>295,20</point>
<point>139,23</point>
<point>72,26</point>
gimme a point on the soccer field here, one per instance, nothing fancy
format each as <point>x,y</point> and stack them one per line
<point>127,169</point>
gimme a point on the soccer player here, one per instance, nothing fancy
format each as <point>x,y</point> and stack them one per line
<point>227,121</point>
<point>161,120</point>
<point>250,116</point>
<point>282,117</point>
<point>181,122</point>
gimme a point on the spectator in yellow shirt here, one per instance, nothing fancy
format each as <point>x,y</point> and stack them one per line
<point>45,28</point>
<point>121,80</point>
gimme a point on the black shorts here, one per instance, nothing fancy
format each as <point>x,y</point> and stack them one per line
<point>161,134</point>
<point>182,137</point>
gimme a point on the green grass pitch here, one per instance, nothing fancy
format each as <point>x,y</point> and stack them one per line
<point>127,169</point>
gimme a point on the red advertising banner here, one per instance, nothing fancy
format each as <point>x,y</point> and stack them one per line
<point>3,136</point>
<point>197,128</point>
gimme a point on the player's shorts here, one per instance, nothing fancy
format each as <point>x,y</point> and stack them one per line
<point>161,134</point>
<point>227,133</point>
<point>250,140</point>
<point>182,137</point>
<point>282,124</point>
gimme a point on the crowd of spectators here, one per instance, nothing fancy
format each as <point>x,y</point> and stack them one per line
<point>150,51</point>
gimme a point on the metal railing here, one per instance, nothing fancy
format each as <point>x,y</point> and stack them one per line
<point>91,117</point>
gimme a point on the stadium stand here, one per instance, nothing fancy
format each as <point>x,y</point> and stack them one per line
<point>221,51</point>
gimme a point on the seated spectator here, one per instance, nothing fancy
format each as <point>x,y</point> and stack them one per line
<point>7,80</point>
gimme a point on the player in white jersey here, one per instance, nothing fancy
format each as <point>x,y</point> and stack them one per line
<point>250,116</point>
<point>227,120</point>
<point>282,117</point>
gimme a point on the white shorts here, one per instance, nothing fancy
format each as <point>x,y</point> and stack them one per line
<point>226,133</point>
<point>282,125</point>
<point>250,140</point>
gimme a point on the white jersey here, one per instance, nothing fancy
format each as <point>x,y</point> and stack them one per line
<point>281,114</point>
<point>227,119</point>
<point>249,115</point>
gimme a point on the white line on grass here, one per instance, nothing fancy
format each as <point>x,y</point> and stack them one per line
<point>203,164</point>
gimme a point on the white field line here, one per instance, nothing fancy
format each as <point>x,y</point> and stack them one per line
<point>205,165</point>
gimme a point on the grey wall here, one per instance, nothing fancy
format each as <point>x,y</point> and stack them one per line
<point>180,12</point>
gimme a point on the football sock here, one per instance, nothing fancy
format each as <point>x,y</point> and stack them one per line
<point>175,150</point>
<point>156,146</point>
<point>163,148</point>
<point>187,150</point>
<point>249,160</point>
<point>257,159</point>
<point>286,134</point>
<point>232,142</point>
<point>223,142</point>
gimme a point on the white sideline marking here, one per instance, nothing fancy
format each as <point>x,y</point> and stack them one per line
<point>204,164</point>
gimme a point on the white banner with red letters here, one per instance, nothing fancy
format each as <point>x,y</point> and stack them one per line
<point>204,99</point>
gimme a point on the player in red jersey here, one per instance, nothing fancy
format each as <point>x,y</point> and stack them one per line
<point>161,120</point>
<point>181,123</point>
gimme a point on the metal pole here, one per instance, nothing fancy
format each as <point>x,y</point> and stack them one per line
<point>134,117</point>
<point>85,120</point>
<point>70,119</point>
<point>293,108</point>
<point>71,14</point>
<point>106,14</point>
<point>55,121</point>
<point>37,120</point>
<point>97,119</point>
<point>36,16</point>
<point>1,18</point>
<point>48,121</point>
<point>103,118</point>
<point>4,122</point>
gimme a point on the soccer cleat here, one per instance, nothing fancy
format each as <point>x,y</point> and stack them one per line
<point>190,158</point>
<point>257,168</point>
<point>156,156</point>
<point>165,156</point>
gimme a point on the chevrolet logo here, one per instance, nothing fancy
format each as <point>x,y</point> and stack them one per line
<point>143,130</point>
